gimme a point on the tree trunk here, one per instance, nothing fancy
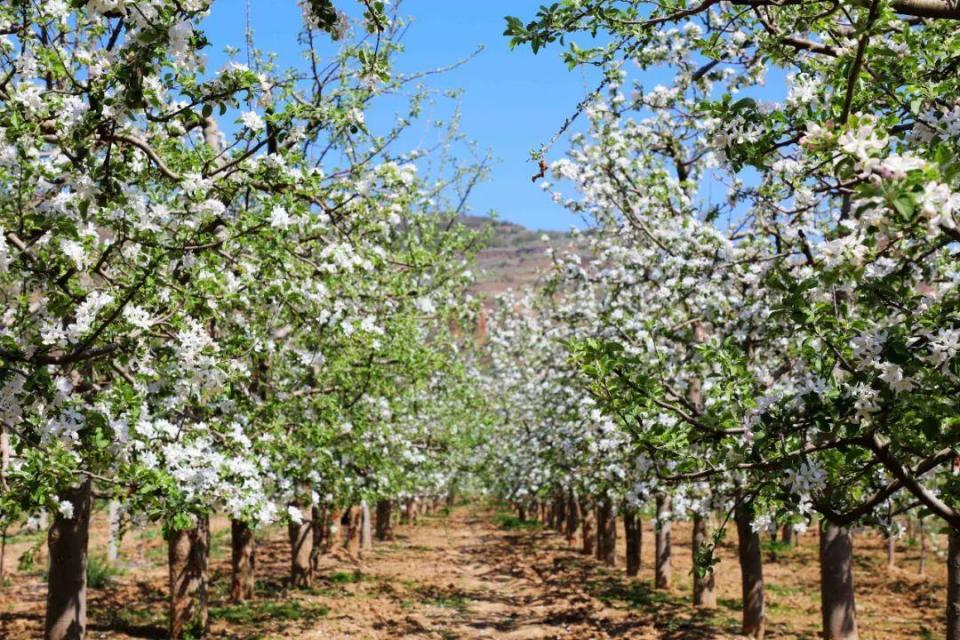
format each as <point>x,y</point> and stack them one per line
<point>319,534</point>
<point>410,512</point>
<point>787,533</point>
<point>3,552</point>
<point>351,541</point>
<point>366,530</point>
<point>633,531</point>
<point>4,465</point>
<point>922,569</point>
<point>332,531</point>
<point>607,532</point>
<point>704,580</point>
<point>953,585</point>
<point>384,520</point>
<point>243,561</point>
<point>836,583</point>
<point>600,517</point>
<point>573,518</point>
<point>521,511</point>
<point>187,555</point>
<point>664,563</point>
<point>67,583</point>
<point>561,512</point>
<point>891,549</point>
<point>301,546</point>
<point>113,531</point>
<point>751,570</point>
<point>587,527</point>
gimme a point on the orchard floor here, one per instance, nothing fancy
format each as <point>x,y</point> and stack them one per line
<point>472,574</point>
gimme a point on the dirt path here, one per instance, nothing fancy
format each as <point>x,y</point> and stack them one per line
<point>463,577</point>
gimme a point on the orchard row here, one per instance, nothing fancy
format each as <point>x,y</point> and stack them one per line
<point>762,318</point>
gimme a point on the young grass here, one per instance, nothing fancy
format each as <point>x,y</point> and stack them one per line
<point>256,612</point>
<point>511,522</point>
<point>101,573</point>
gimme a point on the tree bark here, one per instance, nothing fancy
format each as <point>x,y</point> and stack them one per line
<point>751,571</point>
<point>704,580</point>
<point>187,555</point>
<point>891,550</point>
<point>787,533</point>
<point>319,532</point>
<point>836,583</point>
<point>384,520</point>
<point>68,540</point>
<point>606,532</point>
<point>589,536</point>
<point>922,568</point>
<point>332,530</point>
<point>243,561</point>
<point>301,546</point>
<point>521,511</point>
<point>366,530</point>
<point>410,512</point>
<point>351,540</point>
<point>664,545</point>
<point>573,518</point>
<point>4,465</point>
<point>560,511</point>
<point>953,585</point>
<point>113,531</point>
<point>600,517</point>
<point>633,531</point>
<point>937,9</point>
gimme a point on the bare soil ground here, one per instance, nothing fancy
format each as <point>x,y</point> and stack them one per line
<point>464,576</point>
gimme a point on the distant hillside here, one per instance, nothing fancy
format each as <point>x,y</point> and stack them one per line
<point>515,256</point>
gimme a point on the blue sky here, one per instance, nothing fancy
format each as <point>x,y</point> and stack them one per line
<point>512,101</point>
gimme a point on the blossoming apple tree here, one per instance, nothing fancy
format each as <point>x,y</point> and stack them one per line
<point>195,308</point>
<point>839,216</point>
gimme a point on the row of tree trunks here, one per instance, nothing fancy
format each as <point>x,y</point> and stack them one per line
<point>188,561</point>
<point>188,553</point>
